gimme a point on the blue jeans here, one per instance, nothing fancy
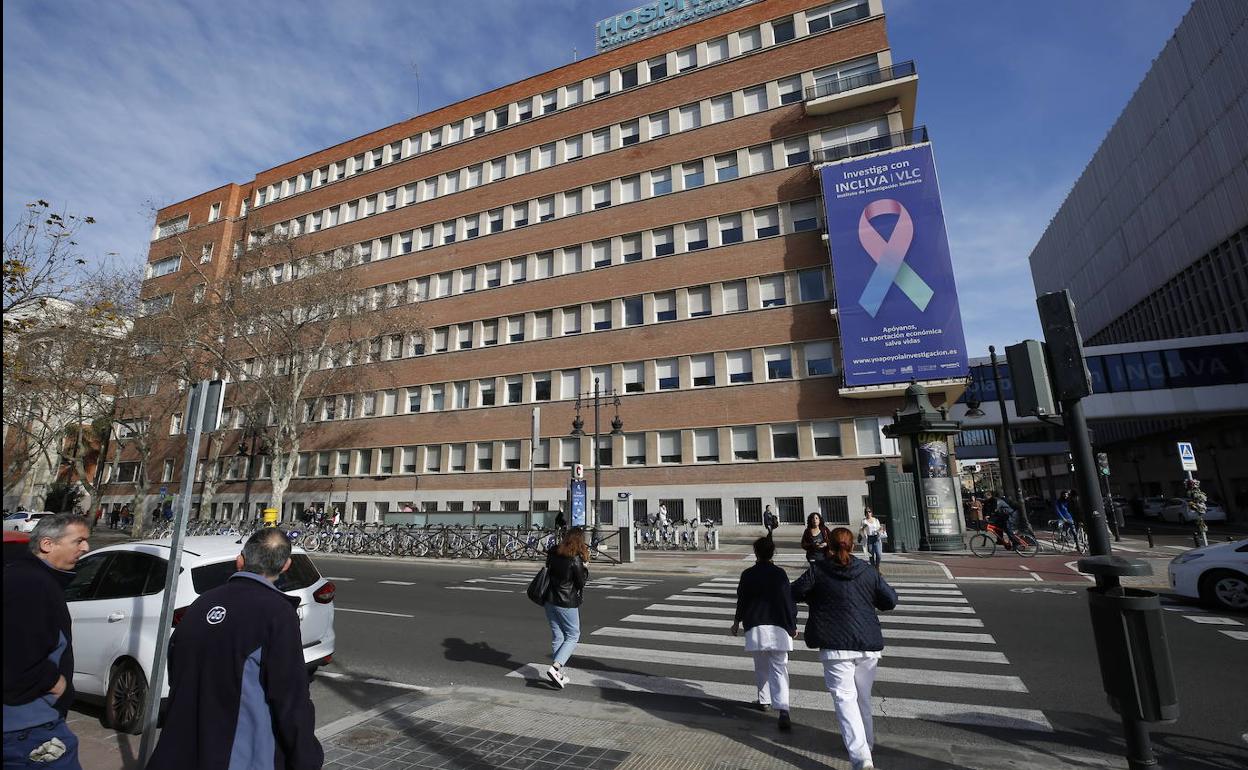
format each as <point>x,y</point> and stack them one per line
<point>19,743</point>
<point>565,631</point>
<point>875,548</point>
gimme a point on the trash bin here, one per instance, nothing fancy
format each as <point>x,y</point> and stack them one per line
<point>1134,653</point>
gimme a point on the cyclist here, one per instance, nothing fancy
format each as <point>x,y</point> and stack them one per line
<point>1002,515</point>
<point>1065,522</point>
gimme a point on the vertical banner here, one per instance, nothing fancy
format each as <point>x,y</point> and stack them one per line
<point>578,502</point>
<point>898,305</point>
<point>940,489</point>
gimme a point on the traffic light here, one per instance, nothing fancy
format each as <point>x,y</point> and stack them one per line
<point>1033,396</point>
<point>1102,463</point>
<point>1069,374</point>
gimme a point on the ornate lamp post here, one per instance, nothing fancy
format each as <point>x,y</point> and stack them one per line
<point>924,431</point>
<point>578,430</point>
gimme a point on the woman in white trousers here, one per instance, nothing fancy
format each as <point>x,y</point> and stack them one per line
<point>765,606</point>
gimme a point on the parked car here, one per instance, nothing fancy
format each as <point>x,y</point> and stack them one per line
<point>115,602</point>
<point>1216,574</point>
<point>1153,506</point>
<point>1178,511</point>
<point>24,521</point>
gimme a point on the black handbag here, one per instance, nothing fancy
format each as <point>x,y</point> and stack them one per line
<point>539,587</point>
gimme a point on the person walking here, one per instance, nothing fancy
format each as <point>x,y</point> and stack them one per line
<point>843,594</point>
<point>567,566</point>
<point>815,537</point>
<point>39,646</point>
<point>770,520</point>
<point>766,608</point>
<point>238,684</point>
<point>875,533</point>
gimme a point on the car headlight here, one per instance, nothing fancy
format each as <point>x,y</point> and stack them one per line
<point>1185,558</point>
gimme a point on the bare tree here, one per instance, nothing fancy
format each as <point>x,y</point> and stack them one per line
<point>41,262</point>
<point>285,327</point>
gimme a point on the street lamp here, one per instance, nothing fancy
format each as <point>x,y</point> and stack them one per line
<point>578,430</point>
<point>1009,458</point>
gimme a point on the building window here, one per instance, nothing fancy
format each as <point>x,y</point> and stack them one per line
<point>669,446</point>
<point>634,377</point>
<point>602,195</point>
<point>726,167</point>
<point>433,459</point>
<point>693,175</point>
<point>695,236</point>
<point>541,387</point>
<point>569,383</point>
<point>827,437</point>
<point>630,133</point>
<point>690,116</point>
<point>667,374</point>
<point>771,290</point>
<point>660,125</point>
<point>735,297</point>
<point>635,449</point>
<point>515,329</point>
<point>790,89</point>
<point>745,443</point>
<point>811,286</point>
<point>602,316</point>
<point>702,370</point>
<point>740,366</point>
<point>721,108</point>
<point>164,266</point>
<point>572,320</point>
<point>834,509</point>
<point>755,100</point>
<point>511,455</point>
<point>665,306</point>
<point>717,50</point>
<point>214,212</point>
<point>569,451</point>
<point>599,141</point>
<point>658,68</point>
<point>485,392</point>
<point>819,359</point>
<point>485,456</point>
<point>750,39</point>
<point>541,453</point>
<point>784,442</point>
<point>706,445</point>
<point>661,182</point>
<point>664,242</point>
<point>699,301</point>
<point>686,59</point>
<point>805,216</point>
<point>459,457</point>
<point>515,390</point>
<point>601,251</point>
<point>633,311</point>
<point>779,364</point>
<point>730,229</point>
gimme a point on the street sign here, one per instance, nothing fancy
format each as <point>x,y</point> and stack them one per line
<point>578,493</point>
<point>578,471</point>
<point>1187,456</point>
<point>623,495</point>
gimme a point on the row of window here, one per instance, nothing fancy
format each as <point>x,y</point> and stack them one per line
<point>675,62</point>
<point>758,159</point>
<point>721,298</point>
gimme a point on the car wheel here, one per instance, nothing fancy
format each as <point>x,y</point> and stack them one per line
<point>125,698</point>
<point>1226,589</point>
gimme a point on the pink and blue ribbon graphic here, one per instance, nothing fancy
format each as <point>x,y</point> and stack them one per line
<point>890,258</point>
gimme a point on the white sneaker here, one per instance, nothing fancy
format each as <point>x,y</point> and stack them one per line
<point>566,679</point>
<point>557,679</point>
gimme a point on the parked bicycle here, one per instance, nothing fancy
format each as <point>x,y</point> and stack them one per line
<point>1066,537</point>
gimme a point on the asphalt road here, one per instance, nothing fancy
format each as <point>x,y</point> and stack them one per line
<point>971,663</point>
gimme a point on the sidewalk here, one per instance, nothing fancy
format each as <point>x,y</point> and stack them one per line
<point>463,728</point>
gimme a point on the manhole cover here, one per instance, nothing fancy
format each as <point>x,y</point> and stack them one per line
<point>366,738</point>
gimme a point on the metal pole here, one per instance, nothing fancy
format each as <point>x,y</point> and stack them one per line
<point>1009,439</point>
<point>247,485</point>
<point>151,706</point>
<point>593,521</point>
<point>533,439</point>
<point>919,501</point>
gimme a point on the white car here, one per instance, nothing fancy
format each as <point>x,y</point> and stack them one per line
<point>115,601</point>
<point>25,521</point>
<point>1152,507</point>
<point>1178,511</point>
<point>1216,574</point>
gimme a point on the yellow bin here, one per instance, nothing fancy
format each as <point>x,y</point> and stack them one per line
<point>270,517</point>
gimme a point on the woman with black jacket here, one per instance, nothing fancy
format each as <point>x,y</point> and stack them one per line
<point>765,606</point>
<point>843,594</point>
<point>815,537</point>
<point>568,572</point>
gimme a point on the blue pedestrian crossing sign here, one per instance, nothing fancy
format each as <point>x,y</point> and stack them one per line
<point>1186,456</point>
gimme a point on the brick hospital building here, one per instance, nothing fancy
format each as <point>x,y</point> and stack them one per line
<point>648,217</point>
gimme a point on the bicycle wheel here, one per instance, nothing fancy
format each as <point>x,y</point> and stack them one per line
<point>983,545</point>
<point>1025,544</point>
<point>1081,540</point>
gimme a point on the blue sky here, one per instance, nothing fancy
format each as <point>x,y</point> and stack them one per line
<point>111,105</point>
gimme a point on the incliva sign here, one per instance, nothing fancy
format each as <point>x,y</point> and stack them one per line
<point>657,17</point>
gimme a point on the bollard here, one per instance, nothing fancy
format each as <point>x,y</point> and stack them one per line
<point>903,547</point>
<point>1149,532</point>
<point>1196,539</point>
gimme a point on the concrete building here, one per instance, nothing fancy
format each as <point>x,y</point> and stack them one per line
<point>646,218</point>
<point>1152,243</point>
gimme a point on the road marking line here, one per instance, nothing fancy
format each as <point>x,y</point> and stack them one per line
<point>677,620</point>
<point>1240,635</point>
<point>947,586</point>
<point>713,591</point>
<point>920,635</point>
<point>395,583</point>
<point>373,612</point>
<point>818,700</point>
<point>1212,620</point>
<point>383,682</point>
<point>1073,566</point>
<point>703,610</point>
<point>1001,579</point>
<point>937,608</point>
<point>1038,579</point>
<point>941,621</point>
<point>814,668</point>
<point>933,599</point>
<point>338,579</point>
<point>481,588</point>
<point>927,591</point>
<point>707,599</point>
<point>725,640</point>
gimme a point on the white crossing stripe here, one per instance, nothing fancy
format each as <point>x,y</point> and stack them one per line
<point>933,599</point>
<point>480,588</point>
<point>705,610</point>
<point>948,637</point>
<point>885,673</point>
<point>713,591</point>
<point>1240,635</point>
<point>670,620</point>
<point>915,620</point>
<point>705,599</point>
<point>726,640</point>
<point>946,586</point>
<point>901,708</point>
<point>1212,620</point>
<point>395,583</point>
<point>903,607</point>
<point>927,592</point>
<point>373,612</point>
<point>338,579</point>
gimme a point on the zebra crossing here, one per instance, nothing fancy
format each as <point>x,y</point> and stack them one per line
<point>939,663</point>
<point>518,581</point>
<point>1204,617</point>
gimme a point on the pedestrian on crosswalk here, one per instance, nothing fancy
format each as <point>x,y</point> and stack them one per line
<point>765,606</point>
<point>843,593</point>
<point>566,564</point>
<point>815,537</point>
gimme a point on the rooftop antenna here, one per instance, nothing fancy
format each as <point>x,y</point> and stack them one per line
<point>416,71</point>
<point>574,54</point>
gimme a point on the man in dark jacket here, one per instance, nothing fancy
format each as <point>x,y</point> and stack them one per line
<point>238,685</point>
<point>38,646</point>
<point>765,606</point>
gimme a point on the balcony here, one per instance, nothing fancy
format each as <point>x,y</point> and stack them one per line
<point>899,81</point>
<point>915,135</point>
